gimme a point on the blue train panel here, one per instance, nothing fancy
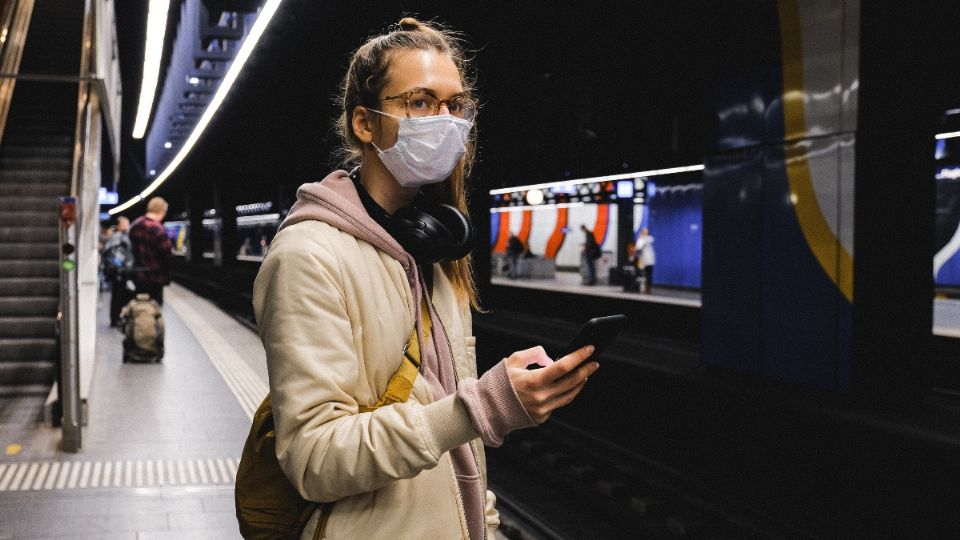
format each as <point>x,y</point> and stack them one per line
<point>731,300</point>
<point>779,195</point>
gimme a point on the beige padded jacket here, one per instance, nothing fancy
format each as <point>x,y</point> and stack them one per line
<point>334,313</point>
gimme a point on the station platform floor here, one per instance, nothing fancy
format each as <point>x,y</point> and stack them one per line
<point>161,444</point>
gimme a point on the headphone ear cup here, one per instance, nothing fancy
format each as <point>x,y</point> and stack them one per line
<point>417,232</point>
<point>459,232</point>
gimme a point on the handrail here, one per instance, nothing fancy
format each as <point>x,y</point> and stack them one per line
<point>13,35</point>
<point>81,133</point>
<point>99,85</point>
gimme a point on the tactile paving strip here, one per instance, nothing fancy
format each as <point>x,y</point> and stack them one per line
<point>141,473</point>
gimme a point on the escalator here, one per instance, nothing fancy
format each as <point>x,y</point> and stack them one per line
<point>36,163</point>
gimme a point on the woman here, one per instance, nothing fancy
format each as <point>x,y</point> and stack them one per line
<point>337,297</point>
<point>646,258</point>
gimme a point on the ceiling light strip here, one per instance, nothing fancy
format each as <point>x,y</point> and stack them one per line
<point>654,172</point>
<point>949,135</point>
<point>153,52</point>
<point>259,26</point>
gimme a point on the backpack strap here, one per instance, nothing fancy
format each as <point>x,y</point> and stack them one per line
<point>401,382</point>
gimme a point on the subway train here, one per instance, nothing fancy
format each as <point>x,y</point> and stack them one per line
<point>798,164</point>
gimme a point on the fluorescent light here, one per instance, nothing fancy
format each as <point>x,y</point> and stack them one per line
<point>949,135</point>
<point>540,207</point>
<point>262,218</point>
<point>153,51</point>
<point>654,172</point>
<point>269,9</point>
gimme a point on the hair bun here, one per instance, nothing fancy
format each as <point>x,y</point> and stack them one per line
<point>409,23</point>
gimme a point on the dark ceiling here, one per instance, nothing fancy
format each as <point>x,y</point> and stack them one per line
<point>571,89</point>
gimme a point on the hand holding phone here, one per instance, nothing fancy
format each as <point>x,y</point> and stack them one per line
<point>598,332</point>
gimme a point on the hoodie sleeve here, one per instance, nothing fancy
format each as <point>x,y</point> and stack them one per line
<point>326,447</point>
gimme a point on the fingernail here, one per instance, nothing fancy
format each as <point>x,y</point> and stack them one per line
<point>590,349</point>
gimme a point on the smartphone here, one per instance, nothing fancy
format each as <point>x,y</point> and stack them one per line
<point>598,332</point>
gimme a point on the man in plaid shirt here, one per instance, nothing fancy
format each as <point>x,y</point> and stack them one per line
<point>152,250</point>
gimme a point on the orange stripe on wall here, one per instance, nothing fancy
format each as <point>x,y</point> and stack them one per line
<point>524,235</point>
<point>503,235</point>
<point>600,227</point>
<point>556,238</point>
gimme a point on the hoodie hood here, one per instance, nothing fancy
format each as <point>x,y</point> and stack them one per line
<point>334,200</point>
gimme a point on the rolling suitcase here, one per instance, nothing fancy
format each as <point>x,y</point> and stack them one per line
<point>142,330</point>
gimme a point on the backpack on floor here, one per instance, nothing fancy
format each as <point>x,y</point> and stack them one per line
<point>268,506</point>
<point>142,330</point>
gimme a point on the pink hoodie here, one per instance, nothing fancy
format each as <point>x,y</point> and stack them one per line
<point>492,402</point>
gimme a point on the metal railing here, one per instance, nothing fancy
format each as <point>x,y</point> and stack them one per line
<point>13,37</point>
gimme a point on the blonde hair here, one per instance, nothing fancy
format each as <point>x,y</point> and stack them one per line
<point>157,205</point>
<point>365,79</point>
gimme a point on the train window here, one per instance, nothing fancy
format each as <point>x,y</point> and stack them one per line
<point>211,234</point>
<point>946,259</point>
<point>179,233</point>
<point>256,227</point>
<point>536,234</point>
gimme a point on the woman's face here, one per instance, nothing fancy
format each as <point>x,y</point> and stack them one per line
<point>414,68</point>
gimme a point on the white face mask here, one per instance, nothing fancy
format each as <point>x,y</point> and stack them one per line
<point>427,148</point>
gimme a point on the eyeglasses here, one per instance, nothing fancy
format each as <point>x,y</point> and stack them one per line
<point>419,102</point>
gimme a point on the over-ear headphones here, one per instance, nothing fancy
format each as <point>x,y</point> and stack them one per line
<point>440,233</point>
<point>434,233</point>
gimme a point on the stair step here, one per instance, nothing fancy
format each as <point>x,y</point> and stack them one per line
<point>25,218</point>
<point>28,349</point>
<point>34,189</point>
<point>29,306</point>
<point>28,327</point>
<point>29,268</point>
<point>22,250</point>
<point>13,390</point>
<point>40,204</point>
<point>57,151</point>
<point>27,372</point>
<point>25,175</point>
<point>29,286</point>
<point>20,235</point>
<point>36,163</point>
<point>25,138</point>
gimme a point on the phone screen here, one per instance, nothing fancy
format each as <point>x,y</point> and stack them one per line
<point>598,332</point>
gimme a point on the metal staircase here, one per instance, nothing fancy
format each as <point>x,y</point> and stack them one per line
<point>36,164</point>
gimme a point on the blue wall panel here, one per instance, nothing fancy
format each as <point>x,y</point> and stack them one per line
<point>676,223</point>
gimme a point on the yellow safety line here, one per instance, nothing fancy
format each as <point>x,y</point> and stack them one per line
<point>820,238</point>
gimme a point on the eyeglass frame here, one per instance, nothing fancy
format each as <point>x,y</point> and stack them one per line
<point>408,93</point>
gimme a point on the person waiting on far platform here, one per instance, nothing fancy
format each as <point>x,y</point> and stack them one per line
<point>352,285</point>
<point>589,255</point>
<point>646,257</point>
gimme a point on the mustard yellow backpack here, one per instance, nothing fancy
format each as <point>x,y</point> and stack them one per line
<point>268,506</point>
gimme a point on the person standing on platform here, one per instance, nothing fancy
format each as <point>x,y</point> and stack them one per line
<point>117,261</point>
<point>646,258</point>
<point>351,286</point>
<point>589,255</point>
<point>514,250</point>
<point>152,250</point>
